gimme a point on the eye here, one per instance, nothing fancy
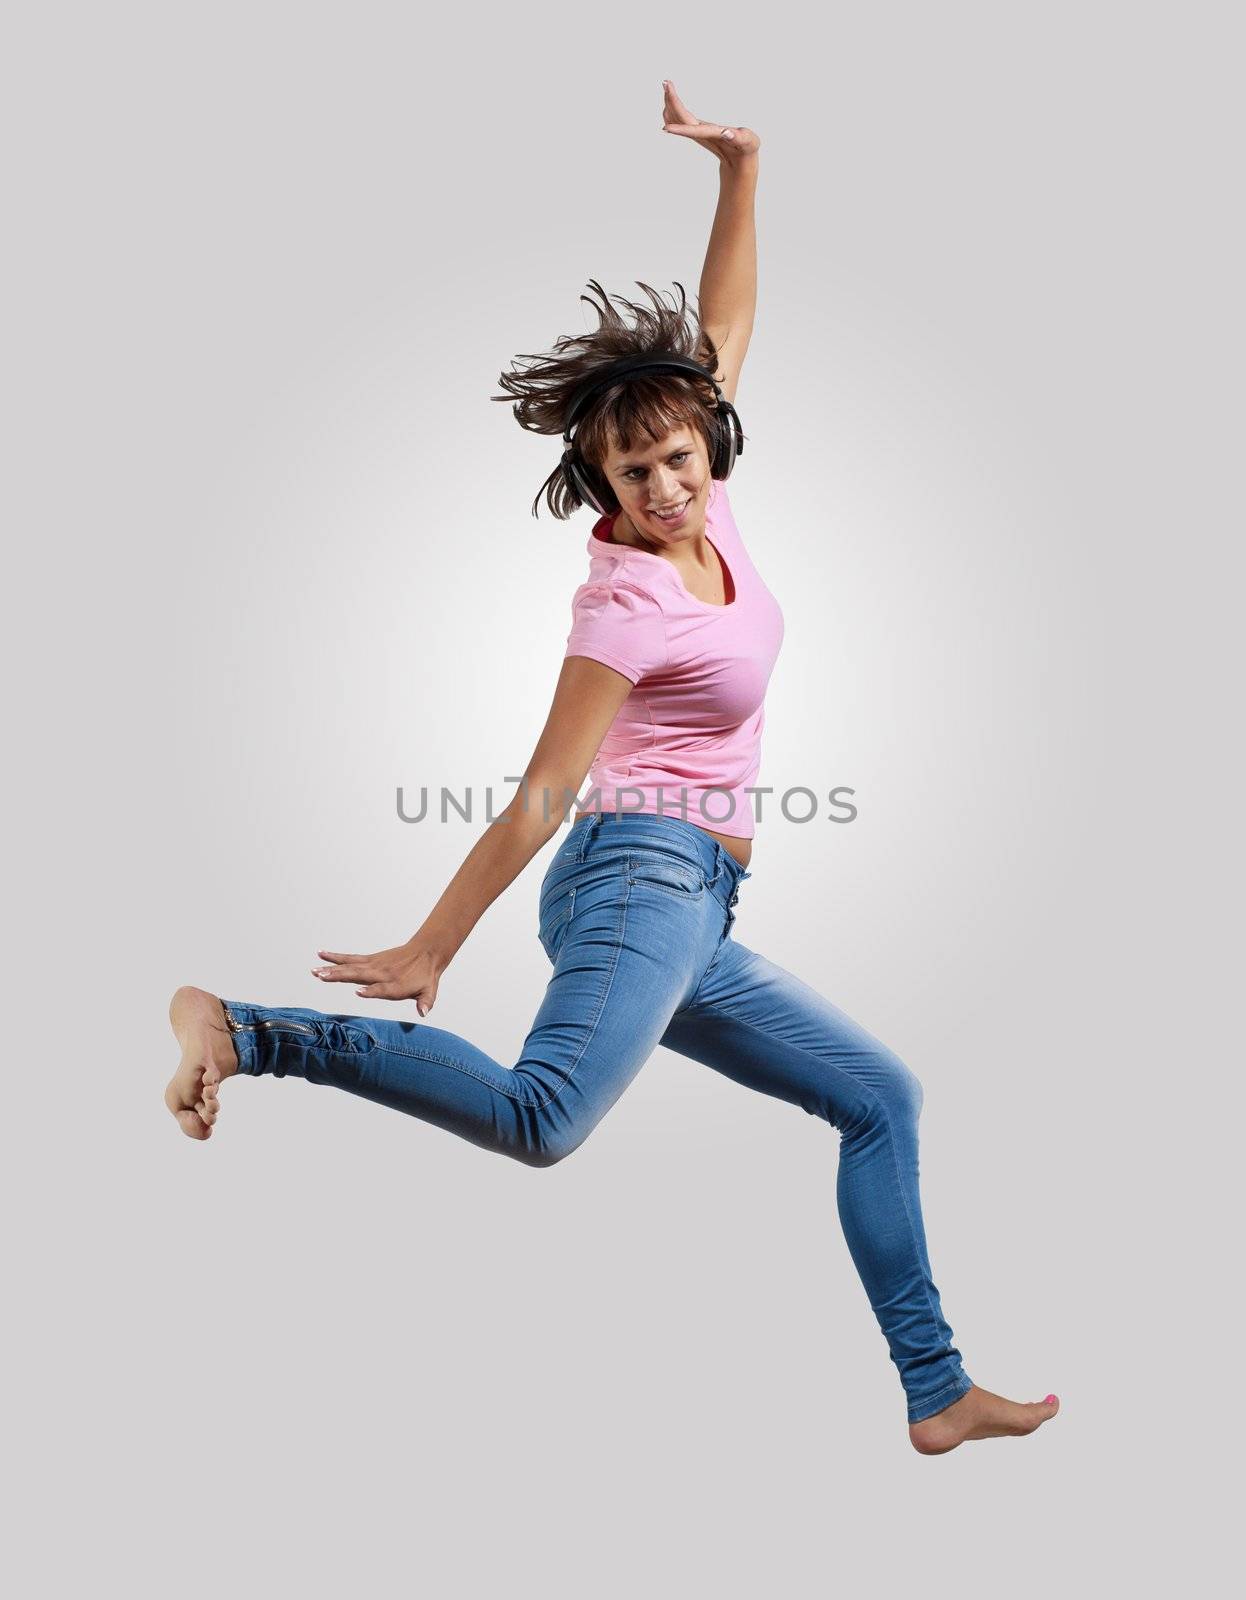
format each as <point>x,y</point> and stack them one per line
<point>680,456</point>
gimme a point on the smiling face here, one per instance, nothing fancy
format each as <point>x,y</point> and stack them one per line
<point>672,473</point>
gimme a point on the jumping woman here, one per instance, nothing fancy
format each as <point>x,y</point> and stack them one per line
<point>661,701</point>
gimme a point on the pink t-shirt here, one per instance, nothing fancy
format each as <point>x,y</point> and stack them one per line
<point>687,740</point>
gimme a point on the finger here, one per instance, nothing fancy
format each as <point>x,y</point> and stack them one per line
<point>703,130</point>
<point>678,119</point>
<point>337,955</point>
<point>684,114</point>
<point>350,969</point>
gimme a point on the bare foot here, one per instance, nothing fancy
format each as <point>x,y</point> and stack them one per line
<point>208,1058</point>
<point>979,1414</point>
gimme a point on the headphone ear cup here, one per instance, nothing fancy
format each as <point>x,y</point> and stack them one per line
<point>724,455</point>
<point>730,442</point>
<point>578,476</point>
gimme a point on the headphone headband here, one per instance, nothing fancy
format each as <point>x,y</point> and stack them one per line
<point>625,366</point>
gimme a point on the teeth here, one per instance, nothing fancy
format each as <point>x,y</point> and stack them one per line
<point>670,516</point>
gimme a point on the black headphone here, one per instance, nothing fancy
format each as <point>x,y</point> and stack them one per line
<point>726,432</point>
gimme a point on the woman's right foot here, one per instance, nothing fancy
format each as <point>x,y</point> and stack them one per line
<point>979,1414</point>
<point>208,1058</point>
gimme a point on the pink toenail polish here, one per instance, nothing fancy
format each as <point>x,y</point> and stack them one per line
<point>1049,1400</point>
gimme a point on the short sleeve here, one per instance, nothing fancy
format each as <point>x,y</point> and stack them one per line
<point>620,626</point>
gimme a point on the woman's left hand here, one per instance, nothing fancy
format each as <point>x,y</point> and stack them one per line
<point>408,971</point>
<point>730,145</point>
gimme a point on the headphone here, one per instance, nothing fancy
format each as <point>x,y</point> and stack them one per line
<point>726,433</point>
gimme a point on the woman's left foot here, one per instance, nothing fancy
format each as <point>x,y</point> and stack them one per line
<point>979,1414</point>
<point>208,1058</point>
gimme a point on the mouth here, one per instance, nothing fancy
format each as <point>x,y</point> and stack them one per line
<point>673,518</point>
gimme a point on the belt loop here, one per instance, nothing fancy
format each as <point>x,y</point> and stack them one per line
<point>590,827</point>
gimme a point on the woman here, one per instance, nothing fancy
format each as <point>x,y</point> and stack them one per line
<point>660,698</point>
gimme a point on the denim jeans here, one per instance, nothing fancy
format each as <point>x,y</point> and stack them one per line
<point>635,916</point>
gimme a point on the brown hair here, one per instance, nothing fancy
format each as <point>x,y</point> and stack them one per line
<point>648,402</point>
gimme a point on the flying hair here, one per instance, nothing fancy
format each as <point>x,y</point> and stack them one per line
<point>646,404</point>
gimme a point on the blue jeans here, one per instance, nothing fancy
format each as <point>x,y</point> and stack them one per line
<point>635,916</point>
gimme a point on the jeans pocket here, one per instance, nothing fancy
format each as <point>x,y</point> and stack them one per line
<point>654,869</point>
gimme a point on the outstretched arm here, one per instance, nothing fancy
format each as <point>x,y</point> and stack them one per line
<point>728,290</point>
<point>586,701</point>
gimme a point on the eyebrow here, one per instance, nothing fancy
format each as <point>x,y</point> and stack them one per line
<point>626,466</point>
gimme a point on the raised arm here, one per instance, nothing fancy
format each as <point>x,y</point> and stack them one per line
<point>728,291</point>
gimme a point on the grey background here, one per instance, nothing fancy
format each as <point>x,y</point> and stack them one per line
<point>270,556</point>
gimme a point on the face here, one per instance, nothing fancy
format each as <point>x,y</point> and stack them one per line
<point>663,476</point>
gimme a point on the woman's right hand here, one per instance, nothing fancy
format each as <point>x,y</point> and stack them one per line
<point>408,971</point>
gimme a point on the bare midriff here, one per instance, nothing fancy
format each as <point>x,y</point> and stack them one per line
<point>740,850</point>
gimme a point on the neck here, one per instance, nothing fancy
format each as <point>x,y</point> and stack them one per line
<point>624,531</point>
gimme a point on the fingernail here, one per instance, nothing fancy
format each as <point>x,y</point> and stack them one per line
<point>727,134</point>
<point>1050,1400</point>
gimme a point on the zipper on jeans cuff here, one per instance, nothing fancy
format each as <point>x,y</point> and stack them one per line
<point>266,1022</point>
